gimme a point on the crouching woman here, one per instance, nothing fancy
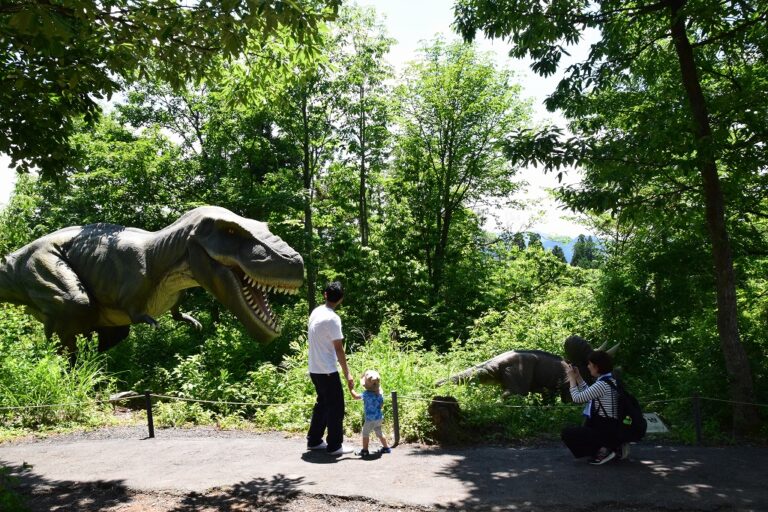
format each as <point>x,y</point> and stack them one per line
<point>598,436</point>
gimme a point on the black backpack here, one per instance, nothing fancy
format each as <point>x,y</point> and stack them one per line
<point>632,423</point>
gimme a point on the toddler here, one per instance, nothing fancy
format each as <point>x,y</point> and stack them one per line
<point>373,401</point>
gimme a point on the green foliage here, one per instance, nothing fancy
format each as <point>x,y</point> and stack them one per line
<point>428,292</point>
<point>18,228</point>
<point>180,414</point>
<point>59,59</point>
<point>586,253</point>
<point>663,115</point>
<point>37,385</point>
<point>557,251</point>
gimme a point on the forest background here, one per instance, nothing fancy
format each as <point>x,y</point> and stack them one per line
<point>379,179</point>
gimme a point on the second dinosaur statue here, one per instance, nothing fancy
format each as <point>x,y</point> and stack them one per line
<point>521,372</point>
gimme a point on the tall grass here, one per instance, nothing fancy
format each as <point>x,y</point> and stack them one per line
<point>39,386</point>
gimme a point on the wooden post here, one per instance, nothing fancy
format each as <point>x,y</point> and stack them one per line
<point>395,419</point>
<point>150,421</point>
<point>697,417</point>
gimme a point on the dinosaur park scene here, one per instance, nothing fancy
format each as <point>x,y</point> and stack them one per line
<point>318,255</point>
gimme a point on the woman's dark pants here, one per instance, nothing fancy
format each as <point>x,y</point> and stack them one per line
<point>586,440</point>
<point>328,411</point>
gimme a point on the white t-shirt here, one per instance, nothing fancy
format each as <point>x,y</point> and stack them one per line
<point>323,329</point>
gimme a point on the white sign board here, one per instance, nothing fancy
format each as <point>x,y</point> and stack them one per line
<point>655,425</point>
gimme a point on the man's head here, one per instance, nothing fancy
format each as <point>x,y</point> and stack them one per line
<point>333,292</point>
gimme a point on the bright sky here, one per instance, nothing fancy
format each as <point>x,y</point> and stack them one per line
<point>413,21</point>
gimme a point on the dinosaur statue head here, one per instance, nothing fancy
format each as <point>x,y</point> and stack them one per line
<point>240,262</point>
<point>577,350</point>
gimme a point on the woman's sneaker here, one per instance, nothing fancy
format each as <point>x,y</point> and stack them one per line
<point>603,455</point>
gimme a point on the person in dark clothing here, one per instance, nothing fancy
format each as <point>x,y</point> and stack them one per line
<point>598,436</point>
<point>326,348</point>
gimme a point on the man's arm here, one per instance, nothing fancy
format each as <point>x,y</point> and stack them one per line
<point>338,346</point>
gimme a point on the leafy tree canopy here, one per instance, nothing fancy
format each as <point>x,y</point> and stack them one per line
<point>59,58</point>
<point>695,67</point>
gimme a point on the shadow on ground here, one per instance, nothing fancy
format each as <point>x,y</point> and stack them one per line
<point>29,491</point>
<point>654,478</point>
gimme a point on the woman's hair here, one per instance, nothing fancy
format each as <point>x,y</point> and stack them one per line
<point>602,360</point>
<point>333,291</point>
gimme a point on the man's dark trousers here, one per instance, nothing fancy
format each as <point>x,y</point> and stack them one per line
<point>328,411</point>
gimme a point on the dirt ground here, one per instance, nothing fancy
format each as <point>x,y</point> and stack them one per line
<point>91,499</point>
<point>207,469</point>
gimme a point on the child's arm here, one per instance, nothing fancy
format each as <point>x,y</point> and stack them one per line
<point>355,394</point>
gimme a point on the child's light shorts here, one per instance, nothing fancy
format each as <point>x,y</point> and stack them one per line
<point>372,425</point>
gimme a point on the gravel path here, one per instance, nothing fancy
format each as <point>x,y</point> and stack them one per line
<point>206,469</point>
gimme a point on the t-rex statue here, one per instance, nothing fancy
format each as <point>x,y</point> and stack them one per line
<point>103,277</point>
<point>521,372</point>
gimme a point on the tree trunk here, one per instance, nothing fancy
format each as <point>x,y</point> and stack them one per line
<point>309,260</point>
<point>363,181</point>
<point>745,417</point>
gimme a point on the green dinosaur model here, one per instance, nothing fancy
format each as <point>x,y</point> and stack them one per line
<point>103,277</point>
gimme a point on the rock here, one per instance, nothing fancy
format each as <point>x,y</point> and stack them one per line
<point>446,416</point>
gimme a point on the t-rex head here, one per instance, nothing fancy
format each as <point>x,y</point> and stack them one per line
<point>240,261</point>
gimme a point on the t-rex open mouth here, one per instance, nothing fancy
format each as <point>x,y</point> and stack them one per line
<point>255,295</point>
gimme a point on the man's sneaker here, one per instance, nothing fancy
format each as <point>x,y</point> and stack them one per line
<point>624,451</point>
<point>321,446</point>
<point>341,450</point>
<point>603,455</point>
<point>362,453</point>
<point>385,449</point>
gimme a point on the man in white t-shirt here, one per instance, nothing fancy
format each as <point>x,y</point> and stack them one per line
<point>326,348</point>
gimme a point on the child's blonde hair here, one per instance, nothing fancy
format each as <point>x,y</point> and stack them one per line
<point>371,381</point>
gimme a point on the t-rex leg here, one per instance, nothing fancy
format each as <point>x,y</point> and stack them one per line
<point>59,298</point>
<point>111,336</point>
<point>177,315</point>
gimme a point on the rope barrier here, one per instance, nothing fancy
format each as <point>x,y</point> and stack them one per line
<point>223,402</point>
<point>732,401</point>
<point>308,403</point>
<point>53,406</point>
<point>696,400</point>
<point>568,406</point>
<point>510,406</point>
<point>403,397</point>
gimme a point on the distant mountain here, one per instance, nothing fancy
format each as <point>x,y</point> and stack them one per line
<point>565,243</point>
